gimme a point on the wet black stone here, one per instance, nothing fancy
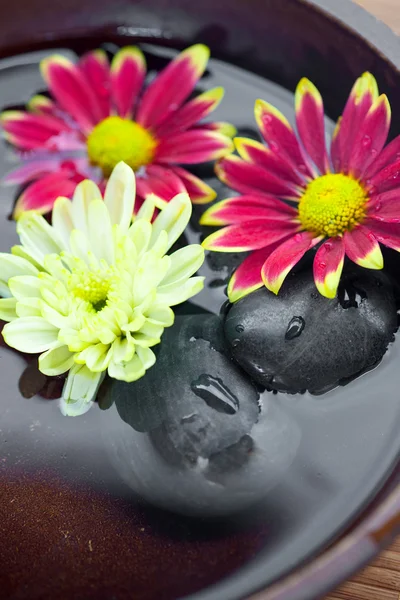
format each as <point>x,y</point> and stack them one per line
<point>195,400</point>
<point>300,341</point>
<point>193,435</point>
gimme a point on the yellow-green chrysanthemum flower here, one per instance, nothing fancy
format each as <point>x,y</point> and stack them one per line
<point>92,292</point>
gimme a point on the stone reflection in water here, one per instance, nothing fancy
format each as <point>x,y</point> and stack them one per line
<point>193,435</point>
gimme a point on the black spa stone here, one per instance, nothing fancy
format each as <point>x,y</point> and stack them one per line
<point>299,340</point>
<point>193,434</point>
<point>195,401</point>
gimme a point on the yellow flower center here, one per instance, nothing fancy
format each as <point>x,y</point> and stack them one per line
<point>116,139</point>
<point>93,287</point>
<point>332,204</point>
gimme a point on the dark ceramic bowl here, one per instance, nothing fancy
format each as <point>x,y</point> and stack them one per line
<point>69,527</point>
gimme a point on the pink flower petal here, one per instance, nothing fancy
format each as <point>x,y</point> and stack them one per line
<point>363,95</point>
<point>386,233</point>
<point>371,137</point>
<point>250,235</point>
<point>199,192</point>
<point>41,105</point>
<point>285,257</point>
<point>172,86</point>
<point>29,131</point>
<point>128,71</point>
<point>191,113</point>
<point>278,133</point>
<point>310,123</point>
<point>252,179</point>
<point>96,69</point>
<point>159,181</point>
<point>386,180</point>
<point>220,126</point>
<point>42,194</point>
<point>385,207</point>
<point>328,266</point>
<point>388,156</point>
<point>247,278</point>
<point>245,208</point>
<point>361,247</point>
<point>72,91</point>
<point>256,153</point>
<point>192,147</point>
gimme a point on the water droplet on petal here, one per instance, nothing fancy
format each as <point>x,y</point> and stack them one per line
<point>295,328</point>
<point>268,119</point>
<point>328,246</point>
<point>367,141</point>
<point>374,152</point>
<point>298,237</point>
<point>273,146</point>
<point>216,394</point>
<point>322,265</point>
<point>378,206</point>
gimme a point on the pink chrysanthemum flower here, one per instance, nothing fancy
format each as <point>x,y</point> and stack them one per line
<point>101,114</point>
<point>295,196</point>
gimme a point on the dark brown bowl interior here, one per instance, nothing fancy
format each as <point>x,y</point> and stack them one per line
<point>329,41</point>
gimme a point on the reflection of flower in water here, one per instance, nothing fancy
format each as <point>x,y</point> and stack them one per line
<point>295,195</point>
<point>101,114</point>
<point>92,293</point>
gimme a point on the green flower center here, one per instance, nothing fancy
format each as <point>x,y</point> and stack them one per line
<point>332,204</point>
<point>115,140</point>
<point>93,287</point>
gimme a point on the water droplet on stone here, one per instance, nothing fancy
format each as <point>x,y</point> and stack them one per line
<point>235,343</point>
<point>295,328</point>
<point>239,328</point>
<point>216,394</point>
<point>314,295</point>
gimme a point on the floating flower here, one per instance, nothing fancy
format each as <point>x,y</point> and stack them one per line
<point>101,114</point>
<point>92,292</point>
<point>295,196</point>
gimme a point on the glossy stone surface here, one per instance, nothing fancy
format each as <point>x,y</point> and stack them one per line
<point>299,340</point>
<point>199,440</point>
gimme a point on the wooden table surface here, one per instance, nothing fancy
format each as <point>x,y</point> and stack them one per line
<point>381,580</point>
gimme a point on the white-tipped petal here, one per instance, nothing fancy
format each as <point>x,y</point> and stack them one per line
<point>7,309</point>
<point>127,371</point>
<point>184,263</point>
<point>176,293</point>
<point>100,231</point>
<point>173,219</point>
<point>12,266</point>
<point>79,391</point>
<point>120,195</point>
<point>32,335</point>
<point>56,361</point>
<point>85,193</point>
<point>38,237</point>
<point>62,219</point>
